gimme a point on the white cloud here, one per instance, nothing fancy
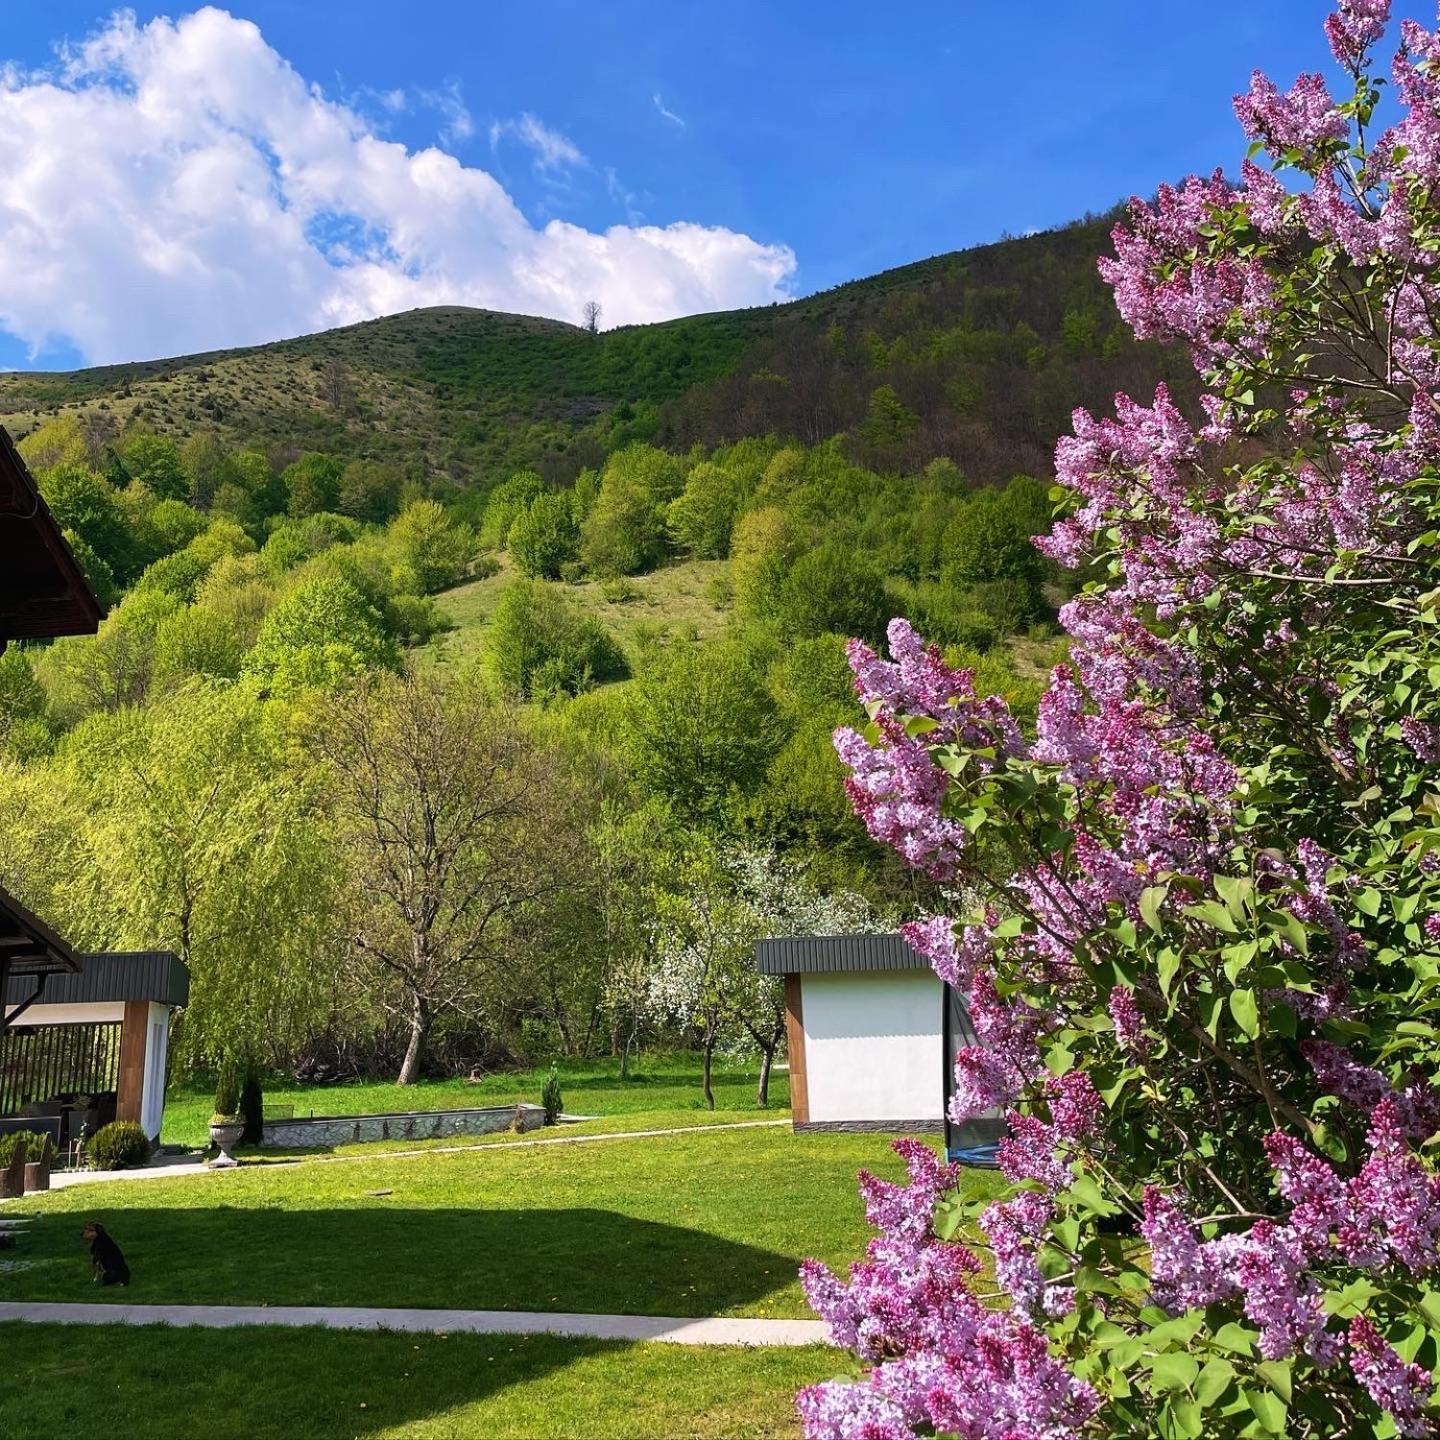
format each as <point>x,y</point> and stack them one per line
<point>666,114</point>
<point>552,150</point>
<point>177,186</point>
<point>459,124</point>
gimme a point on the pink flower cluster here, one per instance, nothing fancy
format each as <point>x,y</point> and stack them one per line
<point>1416,1106</point>
<point>1399,1389</point>
<point>940,1357</point>
<point>1354,28</point>
<point>1386,1215</point>
<point>896,787</point>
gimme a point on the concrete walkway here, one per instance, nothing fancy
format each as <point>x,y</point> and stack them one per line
<point>173,1170</point>
<point>654,1328</point>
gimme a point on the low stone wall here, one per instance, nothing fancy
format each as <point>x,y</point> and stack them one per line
<point>412,1125</point>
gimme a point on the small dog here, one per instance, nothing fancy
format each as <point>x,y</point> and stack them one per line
<point>105,1257</point>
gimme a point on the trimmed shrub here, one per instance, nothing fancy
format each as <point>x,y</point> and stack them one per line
<point>551,1098</point>
<point>121,1145</point>
<point>227,1099</point>
<point>252,1107</point>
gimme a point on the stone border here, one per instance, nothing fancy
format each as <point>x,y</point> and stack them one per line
<point>318,1130</point>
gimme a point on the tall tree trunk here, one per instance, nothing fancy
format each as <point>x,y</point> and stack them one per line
<point>762,1091</point>
<point>419,1027</point>
<point>705,1086</point>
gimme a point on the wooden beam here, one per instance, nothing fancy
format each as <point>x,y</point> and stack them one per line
<point>795,1044</point>
<point>130,1087</point>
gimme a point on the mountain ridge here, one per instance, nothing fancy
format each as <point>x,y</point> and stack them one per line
<point>976,355</point>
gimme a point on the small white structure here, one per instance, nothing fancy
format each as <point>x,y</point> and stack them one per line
<point>871,1033</point>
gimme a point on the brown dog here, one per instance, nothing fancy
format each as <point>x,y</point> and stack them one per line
<point>105,1257</point>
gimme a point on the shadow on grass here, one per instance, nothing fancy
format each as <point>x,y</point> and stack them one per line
<point>376,1253</point>
<point>274,1384</point>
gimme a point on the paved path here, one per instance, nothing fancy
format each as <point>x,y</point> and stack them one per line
<point>64,1179</point>
<point>451,1322</point>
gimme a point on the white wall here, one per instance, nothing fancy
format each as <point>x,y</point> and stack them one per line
<point>152,1094</point>
<point>873,1045</point>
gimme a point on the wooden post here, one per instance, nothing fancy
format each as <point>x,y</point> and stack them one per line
<point>130,1088</point>
<point>795,1044</point>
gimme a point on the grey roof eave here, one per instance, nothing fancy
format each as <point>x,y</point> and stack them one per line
<point>157,976</point>
<point>836,955</point>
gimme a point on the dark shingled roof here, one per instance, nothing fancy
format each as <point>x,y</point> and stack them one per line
<point>28,946</point>
<point>156,975</point>
<point>835,954</point>
<point>43,590</point>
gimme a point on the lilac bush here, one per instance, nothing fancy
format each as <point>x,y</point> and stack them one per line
<point>1206,968</point>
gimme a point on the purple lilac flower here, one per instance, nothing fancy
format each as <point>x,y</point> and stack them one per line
<point>1125,1016</point>
<point>1400,1390</point>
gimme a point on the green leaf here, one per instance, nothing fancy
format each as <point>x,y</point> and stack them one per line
<point>1236,1338</point>
<point>1085,1192</point>
<point>1214,914</point>
<point>1246,1010</point>
<point>1214,1380</point>
<point>1174,1370</point>
<point>1268,1409</point>
<point>1368,901</point>
<point>1236,891</point>
<point>1276,1374</point>
<point>1167,966</point>
<point>1182,1419</point>
<point>947,1220</point>
<point>1151,899</point>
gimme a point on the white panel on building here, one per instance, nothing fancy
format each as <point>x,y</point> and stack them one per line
<point>873,1046</point>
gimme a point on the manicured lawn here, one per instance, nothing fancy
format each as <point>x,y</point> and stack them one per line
<point>258,1384</point>
<point>660,1083</point>
<point>707,1224</point>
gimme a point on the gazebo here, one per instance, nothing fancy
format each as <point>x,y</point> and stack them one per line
<point>43,594</point>
<point>92,1047</point>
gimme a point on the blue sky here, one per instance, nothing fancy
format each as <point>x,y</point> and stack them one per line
<point>847,137</point>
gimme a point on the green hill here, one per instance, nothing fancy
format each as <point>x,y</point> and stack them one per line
<point>979,355</point>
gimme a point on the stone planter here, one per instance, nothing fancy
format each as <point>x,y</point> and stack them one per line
<point>37,1172</point>
<point>12,1177</point>
<point>225,1138</point>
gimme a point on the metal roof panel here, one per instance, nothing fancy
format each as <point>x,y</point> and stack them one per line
<point>836,954</point>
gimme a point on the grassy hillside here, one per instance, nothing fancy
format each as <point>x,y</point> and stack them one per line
<point>676,601</point>
<point>984,352</point>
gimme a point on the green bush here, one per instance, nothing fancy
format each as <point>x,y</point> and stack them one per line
<point>551,1098</point>
<point>34,1146</point>
<point>539,643</point>
<point>121,1145</point>
<point>834,589</point>
<point>544,537</point>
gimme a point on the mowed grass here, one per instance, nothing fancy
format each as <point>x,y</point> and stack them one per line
<point>262,1384</point>
<point>664,1088</point>
<point>676,600</point>
<point>714,1223</point>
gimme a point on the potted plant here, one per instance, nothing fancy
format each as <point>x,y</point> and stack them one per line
<point>39,1154</point>
<point>226,1124</point>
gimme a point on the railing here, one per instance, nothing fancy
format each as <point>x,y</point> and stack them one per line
<point>40,1062</point>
